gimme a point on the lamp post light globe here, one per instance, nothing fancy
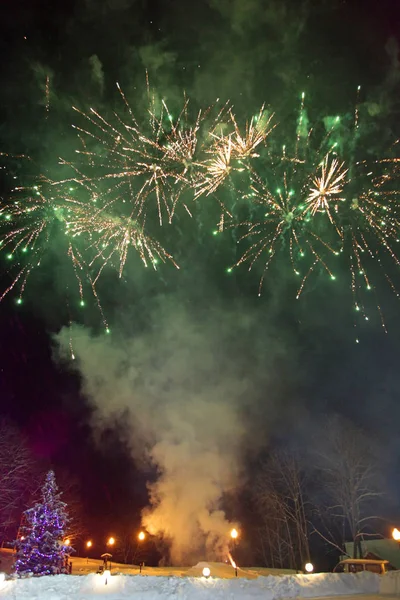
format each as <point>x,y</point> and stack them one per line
<point>234,534</point>
<point>141,536</point>
<point>111,541</point>
<point>89,544</point>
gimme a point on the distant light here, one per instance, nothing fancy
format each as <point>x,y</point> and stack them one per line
<point>309,567</point>
<point>67,542</point>
<point>141,536</point>
<point>206,572</point>
<point>89,544</point>
<point>396,534</point>
<point>111,541</point>
<point>234,534</point>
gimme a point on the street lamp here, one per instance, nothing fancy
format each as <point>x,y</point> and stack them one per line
<point>234,534</point>
<point>89,544</point>
<point>141,537</point>
<point>111,541</point>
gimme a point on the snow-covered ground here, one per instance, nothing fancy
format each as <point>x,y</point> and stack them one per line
<point>84,566</point>
<point>190,585</point>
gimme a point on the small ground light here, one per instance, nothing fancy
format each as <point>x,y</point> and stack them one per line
<point>309,567</point>
<point>107,575</point>
<point>206,572</point>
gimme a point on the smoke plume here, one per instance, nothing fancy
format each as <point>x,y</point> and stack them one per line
<point>180,386</point>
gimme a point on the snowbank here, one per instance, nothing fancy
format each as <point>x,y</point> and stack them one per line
<point>390,583</point>
<point>119,587</point>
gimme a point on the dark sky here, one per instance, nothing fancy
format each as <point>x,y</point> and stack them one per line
<point>299,359</point>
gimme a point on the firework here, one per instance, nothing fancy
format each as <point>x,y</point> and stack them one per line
<point>112,236</point>
<point>231,150</point>
<point>316,203</point>
<point>91,238</point>
<point>156,161</point>
<point>256,133</point>
<point>283,225</point>
<point>326,187</point>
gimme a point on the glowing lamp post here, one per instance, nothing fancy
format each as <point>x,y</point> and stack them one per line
<point>89,544</point>
<point>309,567</point>
<point>111,541</point>
<point>234,536</point>
<point>141,537</point>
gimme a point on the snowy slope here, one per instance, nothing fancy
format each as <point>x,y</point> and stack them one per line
<point>121,587</point>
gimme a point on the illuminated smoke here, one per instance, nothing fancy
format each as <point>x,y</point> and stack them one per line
<point>181,389</point>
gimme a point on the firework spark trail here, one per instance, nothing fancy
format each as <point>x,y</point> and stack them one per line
<point>47,95</point>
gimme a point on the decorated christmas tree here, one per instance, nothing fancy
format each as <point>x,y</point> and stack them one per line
<point>40,548</point>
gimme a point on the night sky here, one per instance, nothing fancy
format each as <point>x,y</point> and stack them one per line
<point>270,370</point>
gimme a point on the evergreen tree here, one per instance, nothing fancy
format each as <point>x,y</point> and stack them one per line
<point>40,549</point>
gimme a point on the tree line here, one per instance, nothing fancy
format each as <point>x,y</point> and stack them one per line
<point>330,490</point>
